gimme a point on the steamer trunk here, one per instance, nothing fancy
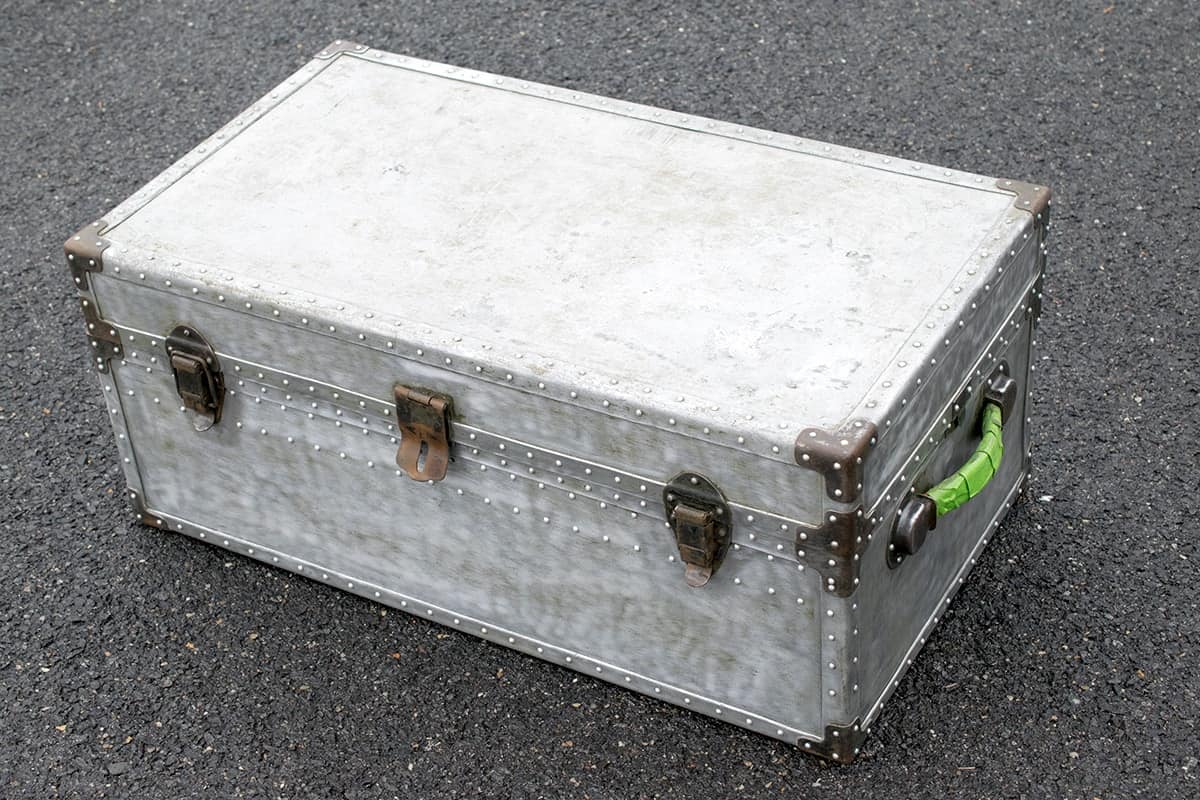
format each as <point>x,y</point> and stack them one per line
<point>653,397</point>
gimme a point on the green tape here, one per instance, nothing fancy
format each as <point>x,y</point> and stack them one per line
<point>968,481</point>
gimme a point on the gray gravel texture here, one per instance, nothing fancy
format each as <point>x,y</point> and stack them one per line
<point>138,664</point>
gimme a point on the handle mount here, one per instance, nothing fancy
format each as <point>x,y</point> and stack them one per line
<point>919,513</point>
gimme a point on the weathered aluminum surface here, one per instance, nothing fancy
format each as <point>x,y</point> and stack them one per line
<point>611,294</point>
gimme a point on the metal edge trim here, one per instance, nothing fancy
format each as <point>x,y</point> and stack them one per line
<point>685,121</point>
<point>339,46</point>
<point>135,491</point>
<point>102,334</point>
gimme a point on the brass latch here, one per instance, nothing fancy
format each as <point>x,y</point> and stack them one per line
<point>198,378</point>
<point>699,515</point>
<point>424,420</point>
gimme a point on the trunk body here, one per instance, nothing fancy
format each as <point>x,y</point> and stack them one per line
<point>576,301</point>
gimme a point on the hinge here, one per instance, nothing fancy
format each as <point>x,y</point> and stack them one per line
<point>103,335</point>
<point>699,516</point>
<point>85,252</point>
<point>198,377</point>
<point>424,421</point>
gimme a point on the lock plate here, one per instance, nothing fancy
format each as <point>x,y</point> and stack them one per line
<point>699,516</point>
<point>198,377</point>
<point>424,420</point>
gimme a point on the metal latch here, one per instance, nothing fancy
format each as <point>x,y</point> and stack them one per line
<point>699,515</point>
<point>424,420</point>
<point>198,378</point>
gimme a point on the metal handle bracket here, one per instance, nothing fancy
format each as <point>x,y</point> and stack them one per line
<point>920,512</point>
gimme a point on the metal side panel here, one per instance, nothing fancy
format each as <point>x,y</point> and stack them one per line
<point>912,596</point>
<point>576,583</point>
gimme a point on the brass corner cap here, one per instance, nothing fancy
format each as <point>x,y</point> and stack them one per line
<point>85,250</point>
<point>1031,197</point>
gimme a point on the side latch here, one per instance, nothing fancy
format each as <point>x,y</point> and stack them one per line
<point>699,515</point>
<point>424,420</point>
<point>198,378</point>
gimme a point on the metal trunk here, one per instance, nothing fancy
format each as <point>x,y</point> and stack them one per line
<point>653,397</point>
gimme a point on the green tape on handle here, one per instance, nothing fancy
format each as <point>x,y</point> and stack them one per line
<point>969,480</point>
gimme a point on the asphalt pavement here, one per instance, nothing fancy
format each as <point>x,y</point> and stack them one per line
<point>138,664</point>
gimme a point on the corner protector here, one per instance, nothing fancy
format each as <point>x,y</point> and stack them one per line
<point>85,252</point>
<point>839,544</point>
<point>1030,197</point>
<point>838,455</point>
<point>103,335</point>
<point>339,46</point>
<point>145,516</point>
<point>842,743</point>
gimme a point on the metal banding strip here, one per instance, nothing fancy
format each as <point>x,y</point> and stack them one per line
<point>371,418</point>
<point>129,464</point>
